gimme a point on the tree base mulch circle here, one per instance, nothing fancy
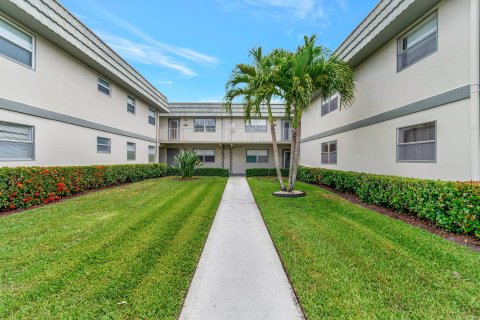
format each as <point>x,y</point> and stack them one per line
<point>287,194</point>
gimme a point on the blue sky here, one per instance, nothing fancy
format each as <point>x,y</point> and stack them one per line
<point>188,48</point>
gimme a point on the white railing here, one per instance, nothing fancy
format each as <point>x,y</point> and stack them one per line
<point>228,135</point>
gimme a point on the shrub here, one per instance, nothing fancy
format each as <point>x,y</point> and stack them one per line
<point>218,172</point>
<point>186,163</point>
<point>452,206</point>
<point>260,172</point>
<point>23,187</point>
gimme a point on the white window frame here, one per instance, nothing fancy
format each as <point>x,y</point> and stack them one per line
<point>109,145</point>
<point>200,152</point>
<point>31,142</point>
<point>109,94</point>
<point>409,32</point>
<point>329,153</point>
<point>154,117</point>
<point>419,142</point>
<point>256,156</point>
<point>204,127</point>
<point>34,43</point>
<point>255,128</point>
<point>154,154</point>
<point>134,104</point>
<point>134,151</point>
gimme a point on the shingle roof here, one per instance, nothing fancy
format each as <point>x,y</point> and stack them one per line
<point>192,109</point>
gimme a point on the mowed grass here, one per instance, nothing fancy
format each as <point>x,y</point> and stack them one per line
<point>347,262</point>
<point>123,253</point>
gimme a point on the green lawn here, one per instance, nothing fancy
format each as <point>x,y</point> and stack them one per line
<point>122,253</point>
<point>347,262</point>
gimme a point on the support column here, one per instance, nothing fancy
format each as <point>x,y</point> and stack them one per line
<point>474,83</point>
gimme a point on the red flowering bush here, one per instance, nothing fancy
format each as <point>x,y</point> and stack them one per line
<point>23,187</point>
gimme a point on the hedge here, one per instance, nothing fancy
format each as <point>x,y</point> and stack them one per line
<point>452,206</point>
<point>212,172</point>
<point>270,172</point>
<point>23,187</point>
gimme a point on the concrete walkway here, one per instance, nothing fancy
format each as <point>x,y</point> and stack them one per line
<point>239,275</point>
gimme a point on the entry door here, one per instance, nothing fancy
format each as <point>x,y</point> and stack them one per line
<point>171,153</point>
<point>286,159</point>
<point>173,129</point>
<point>286,130</point>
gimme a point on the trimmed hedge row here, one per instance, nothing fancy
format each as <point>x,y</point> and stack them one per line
<point>260,172</point>
<point>452,206</point>
<point>23,187</point>
<point>212,172</point>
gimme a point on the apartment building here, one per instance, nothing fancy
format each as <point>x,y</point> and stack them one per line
<point>222,139</point>
<point>66,98</point>
<point>416,111</point>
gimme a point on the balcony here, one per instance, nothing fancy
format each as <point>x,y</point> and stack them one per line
<point>237,135</point>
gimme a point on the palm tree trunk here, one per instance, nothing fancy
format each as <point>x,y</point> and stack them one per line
<point>297,152</point>
<point>275,147</point>
<point>292,159</point>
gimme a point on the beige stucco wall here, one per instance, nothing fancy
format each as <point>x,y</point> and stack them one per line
<point>381,88</point>
<point>61,144</point>
<point>62,84</point>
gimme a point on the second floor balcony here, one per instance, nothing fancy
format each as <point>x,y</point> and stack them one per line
<point>229,135</point>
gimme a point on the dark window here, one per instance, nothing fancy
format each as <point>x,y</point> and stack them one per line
<point>205,155</point>
<point>257,156</point>
<point>204,125</point>
<point>417,143</point>
<point>419,43</point>
<point>151,116</point>
<point>16,142</point>
<point>131,151</point>
<point>16,44</point>
<point>103,86</point>
<point>151,154</point>
<point>131,104</point>
<point>329,152</point>
<point>103,145</point>
<point>330,106</point>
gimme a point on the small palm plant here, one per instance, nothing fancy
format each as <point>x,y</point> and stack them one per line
<point>186,163</point>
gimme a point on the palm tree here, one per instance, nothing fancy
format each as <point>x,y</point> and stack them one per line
<point>311,71</point>
<point>254,84</point>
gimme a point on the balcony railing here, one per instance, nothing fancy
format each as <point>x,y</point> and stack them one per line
<point>228,135</point>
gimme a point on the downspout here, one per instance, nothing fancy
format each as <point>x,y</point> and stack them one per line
<point>474,85</point>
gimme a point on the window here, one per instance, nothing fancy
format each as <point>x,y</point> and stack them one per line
<point>152,153</point>
<point>256,125</point>
<point>329,106</point>
<point>131,104</point>
<point>16,44</point>
<point>103,145</point>
<point>205,155</point>
<point>418,43</point>
<point>151,116</point>
<point>329,152</point>
<point>103,86</point>
<point>257,156</point>
<point>417,143</point>
<point>131,153</point>
<point>204,125</point>
<point>16,142</point>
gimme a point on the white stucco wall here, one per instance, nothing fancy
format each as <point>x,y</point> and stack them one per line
<point>381,88</point>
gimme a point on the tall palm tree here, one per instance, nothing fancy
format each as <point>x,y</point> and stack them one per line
<point>312,69</point>
<point>255,86</point>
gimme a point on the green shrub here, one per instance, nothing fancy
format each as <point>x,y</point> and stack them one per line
<point>452,206</point>
<point>212,172</point>
<point>186,162</point>
<point>23,187</point>
<point>260,172</point>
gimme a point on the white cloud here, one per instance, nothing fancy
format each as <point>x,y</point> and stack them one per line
<point>145,54</point>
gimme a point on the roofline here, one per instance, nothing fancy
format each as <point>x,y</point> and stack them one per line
<point>52,21</point>
<point>386,21</point>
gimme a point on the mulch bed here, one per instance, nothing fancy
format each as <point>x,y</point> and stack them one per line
<point>464,240</point>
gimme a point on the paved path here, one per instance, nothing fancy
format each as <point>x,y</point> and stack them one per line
<point>239,275</point>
